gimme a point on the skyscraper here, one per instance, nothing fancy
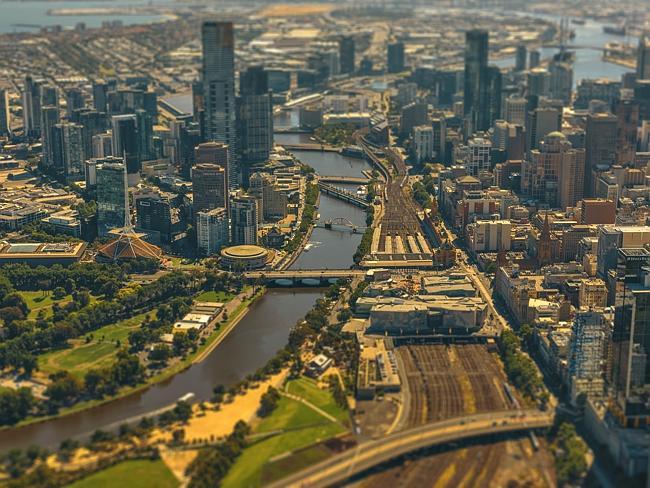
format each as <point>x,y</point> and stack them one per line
<point>553,173</point>
<point>49,118</point>
<point>255,116</point>
<point>561,81</point>
<point>627,114</point>
<point>395,57</point>
<point>243,218</point>
<point>476,85</point>
<point>347,54</point>
<point>600,144</point>
<point>74,100</point>
<point>630,368</point>
<point>495,83</point>
<point>539,122</point>
<point>68,150</point>
<point>643,58</point>
<point>111,195</point>
<point>218,81</point>
<point>126,144</point>
<point>100,96</point>
<point>5,115</point>
<point>32,107</point>
<point>520,57</point>
<point>208,187</point>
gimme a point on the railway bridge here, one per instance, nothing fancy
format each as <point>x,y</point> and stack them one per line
<point>302,277</point>
<point>341,194</point>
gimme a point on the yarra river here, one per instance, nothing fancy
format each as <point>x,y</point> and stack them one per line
<point>260,334</point>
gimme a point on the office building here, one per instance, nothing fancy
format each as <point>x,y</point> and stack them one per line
<point>111,195</point>
<point>255,116</point>
<point>218,82</point>
<point>211,231</point>
<point>613,238</point>
<point>126,144</point>
<point>5,115</point>
<point>439,126</point>
<point>74,100</point>
<point>413,115</point>
<point>347,54</point>
<point>495,82</point>
<point>554,173</point>
<point>243,215</point>
<point>627,114</point>
<point>515,110</point>
<point>489,235</point>
<point>540,122</point>
<point>395,57</point>
<point>538,81</point>
<point>592,293</point>
<point>520,58</point>
<point>643,58</point>
<point>154,214</point>
<point>209,187</point>
<point>476,83</point>
<point>630,365</point>
<point>586,358</point>
<point>600,144</point>
<point>561,81</point>
<point>534,58</point>
<point>100,96</point>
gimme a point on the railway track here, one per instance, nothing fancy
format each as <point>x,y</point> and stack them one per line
<point>434,385</point>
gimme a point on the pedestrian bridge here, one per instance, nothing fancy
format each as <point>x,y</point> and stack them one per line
<point>341,467</point>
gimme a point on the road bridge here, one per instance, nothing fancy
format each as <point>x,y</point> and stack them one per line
<point>341,194</point>
<point>291,130</point>
<point>302,277</point>
<point>343,466</point>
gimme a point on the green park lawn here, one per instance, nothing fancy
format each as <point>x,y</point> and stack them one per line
<point>37,301</point>
<point>308,389</point>
<point>214,296</point>
<point>303,426</point>
<point>132,474</point>
<point>99,351</point>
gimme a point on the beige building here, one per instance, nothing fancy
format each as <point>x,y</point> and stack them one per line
<point>592,293</point>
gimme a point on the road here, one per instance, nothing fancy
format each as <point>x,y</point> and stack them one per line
<point>372,453</point>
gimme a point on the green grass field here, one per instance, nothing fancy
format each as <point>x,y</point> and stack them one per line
<point>214,296</point>
<point>308,389</point>
<point>99,352</point>
<point>131,474</point>
<point>306,428</point>
<point>36,302</point>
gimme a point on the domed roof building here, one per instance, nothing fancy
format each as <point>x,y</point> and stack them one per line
<point>128,245</point>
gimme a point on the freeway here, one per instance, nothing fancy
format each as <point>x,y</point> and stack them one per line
<point>372,453</point>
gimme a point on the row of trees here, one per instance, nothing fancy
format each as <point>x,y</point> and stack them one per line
<point>520,368</point>
<point>308,215</point>
<point>366,240</point>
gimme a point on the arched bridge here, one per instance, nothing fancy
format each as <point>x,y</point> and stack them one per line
<point>301,277</point>
<point>337,469</point>
<point>339,222</point>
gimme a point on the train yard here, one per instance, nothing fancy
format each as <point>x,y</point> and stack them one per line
<point>398,238</point>
<point>446,381</point>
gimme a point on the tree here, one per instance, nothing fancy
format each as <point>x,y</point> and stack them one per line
<point>183,411</point>
<point>160,353</point>
<point>15,405</point>
<point>63,390</point>
<point>58,293</point>
<point>268,402</point>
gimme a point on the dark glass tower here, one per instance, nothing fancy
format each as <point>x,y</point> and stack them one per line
<point>255,116</point>
<point>347,54</point>
<point>476,86</point>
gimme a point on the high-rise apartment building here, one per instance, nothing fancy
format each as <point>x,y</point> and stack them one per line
<point>243,218</point>
<point>49,119</point>
<point>255,116</point>
<point>515,110</point>
<point>218,82</point>
<point>520,58</point>
<point>476,83</point>
<point>111,195</point>
<point>211,231</point>
<point>68,150</point>
<point>423,143</point>
<point>209,187</point>
<point>627,114</point>
<point>479,155</point>
<point>32,107</point>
